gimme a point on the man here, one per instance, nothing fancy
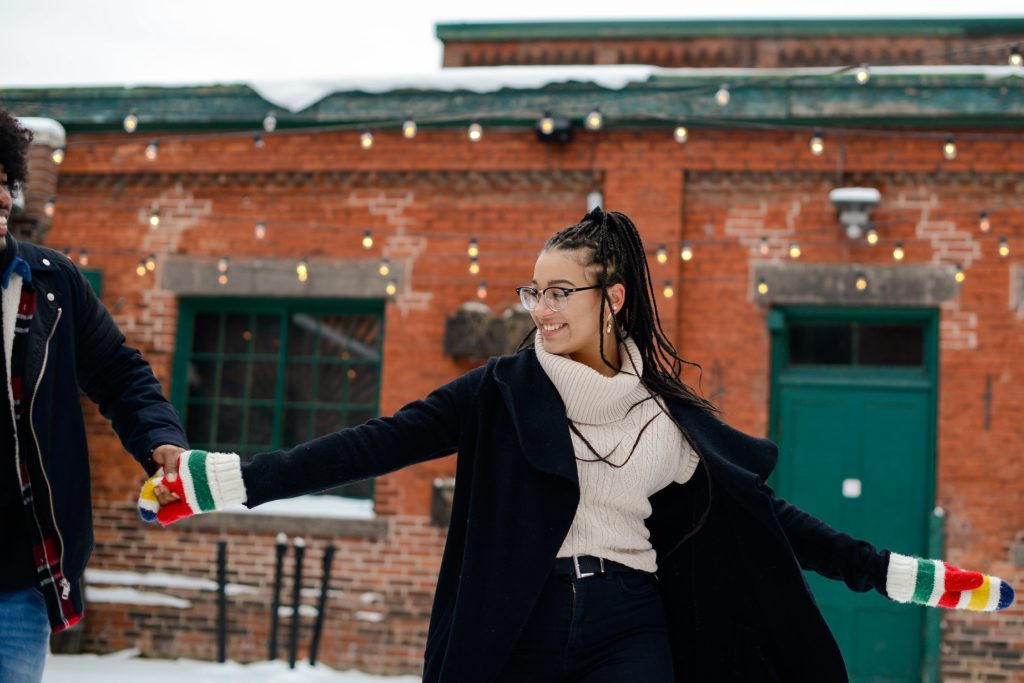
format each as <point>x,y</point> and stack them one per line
<point>57,338</point>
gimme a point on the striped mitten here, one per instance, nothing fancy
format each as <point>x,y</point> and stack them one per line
<point>939,584</point>
<point>206,482</point>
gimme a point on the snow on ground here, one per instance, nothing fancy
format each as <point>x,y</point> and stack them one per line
<point>128,667</point>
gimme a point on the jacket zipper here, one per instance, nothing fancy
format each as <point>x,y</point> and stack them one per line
<point>65,585</point>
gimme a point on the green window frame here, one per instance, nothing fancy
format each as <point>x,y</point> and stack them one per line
<point>254,375</point>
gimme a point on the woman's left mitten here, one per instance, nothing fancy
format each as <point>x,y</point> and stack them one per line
<point>939,584</point>
<point>205,482</point>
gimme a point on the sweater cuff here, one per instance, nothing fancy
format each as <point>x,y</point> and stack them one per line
<point>225,473</point>
<point>901,577</point>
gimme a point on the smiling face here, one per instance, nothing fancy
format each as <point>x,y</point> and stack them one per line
<point>575,330</point>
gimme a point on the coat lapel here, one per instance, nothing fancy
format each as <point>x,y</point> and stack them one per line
<point>538,413</point>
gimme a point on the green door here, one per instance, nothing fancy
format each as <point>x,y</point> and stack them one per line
<point>854,416</point>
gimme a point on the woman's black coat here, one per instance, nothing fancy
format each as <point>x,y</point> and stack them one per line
<point>737,603</point>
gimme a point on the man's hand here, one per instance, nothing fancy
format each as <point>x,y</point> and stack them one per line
<point>167,457</point>
<point>203,482</point>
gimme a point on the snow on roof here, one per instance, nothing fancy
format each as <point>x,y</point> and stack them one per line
<point>321,507</point>
<point>298,95</point>
<point>45,131</point>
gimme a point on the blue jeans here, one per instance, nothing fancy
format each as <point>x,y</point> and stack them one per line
<point>599,629</point>
<point>24,636</point>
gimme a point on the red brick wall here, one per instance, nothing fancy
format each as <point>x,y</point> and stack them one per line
<point>723,190</point>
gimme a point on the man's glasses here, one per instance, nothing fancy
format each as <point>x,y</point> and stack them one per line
<point>555,297</point>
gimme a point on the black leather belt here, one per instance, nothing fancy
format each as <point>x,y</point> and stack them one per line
<point>582,566</point>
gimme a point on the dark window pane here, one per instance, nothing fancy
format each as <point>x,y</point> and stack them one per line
<point>202,378</point>
<point>261,427</point>
<point>298,382</point>
<point>232,381</point>
<point>267,334</point>
<point>821,345</point>
<point>302,335</point>
<point>331,384</point>
<point>334,339</point>
<point>327,421</point>
<point>362,384</point>
<point>229,425</point>
<point>197,423</point>
<point>295,428</point>
<point>891,345</point>
<point>354,418</point>
<point>364,333</point>
<point>360,489</point>
<point>264,380</point>
<point>205,328</point>
<point>237,333</point>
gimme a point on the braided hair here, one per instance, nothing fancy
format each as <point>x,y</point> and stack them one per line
<point>611,243</point>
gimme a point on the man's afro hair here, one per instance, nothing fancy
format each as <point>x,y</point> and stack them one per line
<point>14,142</point>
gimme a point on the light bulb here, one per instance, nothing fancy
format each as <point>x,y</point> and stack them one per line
<point>667,290</point>
<point>260,231</point>
<point>984,223</point>
<point>662,254</point>
<point>686,253</point>
<point>302,270</point>
<point>83,257</point>
<point>959,276</point>
<point>154,218</point>
<point>385,266</point>
<point>1004,246</point>
<point>50,207</point>
<point>594,120</point>
<point>872,236</point>
<point>152,149</point>
<point>258,142</point>
<point>474,248</point>
<point>222,279</point>
<point>141,268</point>
<point>481,290</point>
<point>817,143</point>
<point>898,253</point>
<point>862,282</point>
<point>722,96</point>
<point>476,131</point>
<point>762,287</point>
<point>474,266</point>
<point>680,134</point>
<point>366,139</point>
<point>367,239</point>
<point>409,129</point>
<point>1015,58</point>
<point>794,250</point>
<point>949,148</point>
<point>223,264</point>
<point>151,262</point>
<point>546,123</point>
<point>58,155</point>
<point>270,122</point>
<point>391,287</point>
<point>764,246</point>
<point>863,74</point>
<point>131,122</point>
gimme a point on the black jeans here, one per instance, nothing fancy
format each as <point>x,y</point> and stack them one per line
<point>598,629</point>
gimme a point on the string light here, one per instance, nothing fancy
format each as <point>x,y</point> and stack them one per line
<point>960,276</point>
<point>50,207</point>
<point>984,224</point>
<point>260,231</point>
<point>680,134</point>
<point>872,236</point>
<point>131,122</point>
<point>151,262</point>
<point>1015,58</point>
<point>141,268</point>
<point>722,97</point>
<point>302,270</point>
<point>385,266</point>
<point>762,287</point>
<point>222,279</point>
<point>662,254</point>
<point>862,282</point>
<point>152,149</point>
<point>223,264</point>
<point>474,266</point>
<point>83,257</point>
<point>764,247</point>
<point>58,156</point>
<point>1004,246</point>
<point>409,128</point>
<point>476,131</point>
<point>474,248</point>
<point>594,120</point>
<point>270,122</point>
<point>481,290</point>
<point>817,143</point>
<point>391,287</point>
<point>863,74</point>
<point>367,239</point>
<point>794,250</point>
<point>898,253</point>
<point>154,218</point>
<point>949,148</point>
<point>546,123</point>
<point>667,290</point>
<point>366,139</point>
<point>686,253</point>
<point>257,141</point>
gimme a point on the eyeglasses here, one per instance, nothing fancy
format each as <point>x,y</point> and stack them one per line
<point>555,297</point>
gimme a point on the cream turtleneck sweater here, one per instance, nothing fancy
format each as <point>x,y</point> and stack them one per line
<point>614,501</point>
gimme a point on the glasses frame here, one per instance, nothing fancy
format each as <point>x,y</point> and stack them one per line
<point>543,294</point>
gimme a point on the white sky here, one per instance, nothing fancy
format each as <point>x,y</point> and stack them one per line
<point>71,42</point>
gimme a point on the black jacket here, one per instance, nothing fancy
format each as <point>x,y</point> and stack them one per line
<point>74,344</point>
<point>738,606</point>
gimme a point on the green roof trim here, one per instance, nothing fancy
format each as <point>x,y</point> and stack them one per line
<point>707,28</point>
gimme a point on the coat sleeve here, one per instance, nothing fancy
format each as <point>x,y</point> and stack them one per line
<point>423,430</point>
<point>118,379</point>
<point>829,552</point>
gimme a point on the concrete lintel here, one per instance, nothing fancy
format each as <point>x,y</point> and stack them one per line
<point>835,284</point>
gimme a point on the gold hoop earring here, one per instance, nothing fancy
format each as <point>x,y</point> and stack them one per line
<point>608,324</point>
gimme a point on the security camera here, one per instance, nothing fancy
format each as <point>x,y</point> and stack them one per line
<point>854,205</point>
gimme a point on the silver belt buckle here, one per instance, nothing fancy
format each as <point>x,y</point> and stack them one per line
<point>576,565</point>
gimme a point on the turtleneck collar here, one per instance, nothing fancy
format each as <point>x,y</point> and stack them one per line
<point>589,396</point>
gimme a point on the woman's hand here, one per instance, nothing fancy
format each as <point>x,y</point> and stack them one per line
<point>202,482</point>
<point>939,584</point>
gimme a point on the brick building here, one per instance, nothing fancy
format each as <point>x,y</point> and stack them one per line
<point>893,385</point>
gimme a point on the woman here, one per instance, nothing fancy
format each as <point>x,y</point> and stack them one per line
<point>606,524</point>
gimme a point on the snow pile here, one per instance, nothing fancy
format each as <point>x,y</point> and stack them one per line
<point>127,667</point>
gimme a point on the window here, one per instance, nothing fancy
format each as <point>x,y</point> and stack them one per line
<point>852,343</point>
<point>258,375</point>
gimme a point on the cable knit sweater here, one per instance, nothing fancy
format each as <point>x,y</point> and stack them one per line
<point>614,502</point>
